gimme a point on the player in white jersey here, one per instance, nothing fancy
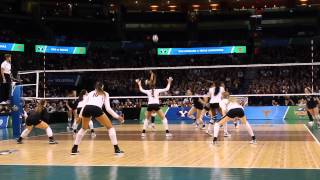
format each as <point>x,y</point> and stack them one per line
<point>93,109</point>
<point>215,94</point>
<point>80,104</point>
<point>154,103</point>
<point>231,109</point>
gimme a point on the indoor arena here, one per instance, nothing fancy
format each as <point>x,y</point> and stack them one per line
<point>160,90</point>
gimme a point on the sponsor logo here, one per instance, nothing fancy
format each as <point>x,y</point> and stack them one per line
<point>183,113</point>
<point>266,113</point>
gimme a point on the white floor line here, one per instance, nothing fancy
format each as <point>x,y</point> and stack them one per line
<point>312,134</point>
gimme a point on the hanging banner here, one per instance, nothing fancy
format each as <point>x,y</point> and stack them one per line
<point>60,49</point>
<point>11,47</point>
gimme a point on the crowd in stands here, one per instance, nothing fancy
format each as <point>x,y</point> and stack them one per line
<point>268,80</point>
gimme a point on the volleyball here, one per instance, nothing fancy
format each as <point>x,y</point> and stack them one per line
<point>155,38</point>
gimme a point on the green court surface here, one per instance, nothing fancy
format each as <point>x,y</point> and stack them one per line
<point>151,173</point>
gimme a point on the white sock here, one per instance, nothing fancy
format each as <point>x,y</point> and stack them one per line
<point>91,124</point>
<point>165,124</point>
<point>25,133</point>
<point>75,125</point>
<point>69,119</point>
<point>199,121</point>
<point>249,129</point>
<point>145,124</point>
<point>216,129</point>
<point>113,136</point>
<point>210,125</point>
<point>225,128</point>
<point>79,136</point>
<point>49,131</point>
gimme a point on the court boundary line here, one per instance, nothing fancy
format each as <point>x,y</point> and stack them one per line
<point>153,166</point>
<point>284,116</point>
<point>314,137</point>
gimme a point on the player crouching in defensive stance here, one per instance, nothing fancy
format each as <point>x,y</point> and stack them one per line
<point>36,119</point>
<point>231,109</point>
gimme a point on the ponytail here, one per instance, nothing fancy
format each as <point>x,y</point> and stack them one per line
<point>152,90</point>
<point>152,79</point>
<point>99,88</point>
<point>82,93</point>
<point>152,82</point>
<point>217,88</point>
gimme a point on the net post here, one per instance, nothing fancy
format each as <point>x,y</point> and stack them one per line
<point>44,75</point>
<point>17,110</point>
<point>37,84</point>
<point>312,71</point>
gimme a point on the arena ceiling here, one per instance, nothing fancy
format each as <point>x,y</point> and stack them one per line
<point>183,5</point>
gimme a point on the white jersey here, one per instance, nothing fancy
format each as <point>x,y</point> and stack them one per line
<point>226,105</point>
<point>6,67</point>
<point>81,104</point>
<point>153,96</point>
<point>215,98</point>
<point>99,100</point>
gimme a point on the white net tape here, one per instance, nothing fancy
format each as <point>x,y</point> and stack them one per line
<point>171,68</point>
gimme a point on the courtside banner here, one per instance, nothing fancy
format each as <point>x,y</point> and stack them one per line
<point>4,122</point>
<point>255,114</point>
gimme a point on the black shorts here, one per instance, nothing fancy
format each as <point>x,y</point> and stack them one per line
<point>207,107</point>
<point>92,111</point>
<point>214,106</point>
<point>153,107</point>
<point>198,106</point>
<point>7,77</point>
<point>72,105</point>
<point>79,110</point>
<point>237,112</point>
<point>311,104</point>
<point>32,121</point>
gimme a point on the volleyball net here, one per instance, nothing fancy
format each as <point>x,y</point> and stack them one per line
<point>264,86</point>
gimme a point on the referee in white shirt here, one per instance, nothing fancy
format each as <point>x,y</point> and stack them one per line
<point>5,79</point>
